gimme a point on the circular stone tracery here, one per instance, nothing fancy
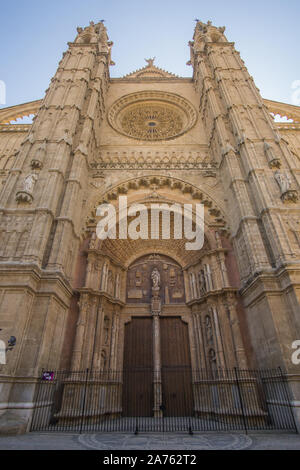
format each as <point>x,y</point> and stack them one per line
<point>151,122</point>
<point>152,116</point>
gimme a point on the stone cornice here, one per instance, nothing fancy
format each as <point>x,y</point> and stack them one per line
<point>100,293</point>
<point>283,109</point>
<point>15,128</point>
<point>41,278</point>
<point>213,295</point>
<point>268,280</point>
<point>151,79</point>
<point>20,110</point>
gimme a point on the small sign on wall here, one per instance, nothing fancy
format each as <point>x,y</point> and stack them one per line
<point>48,375</point>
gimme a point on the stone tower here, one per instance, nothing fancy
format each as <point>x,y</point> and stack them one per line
<point>76,302</point>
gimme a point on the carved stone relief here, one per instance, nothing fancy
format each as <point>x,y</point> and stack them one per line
<point>155,271</point>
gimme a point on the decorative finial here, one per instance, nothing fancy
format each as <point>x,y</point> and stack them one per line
<point>197,20</point>
<point>150,61</point>
<point>102,21</point>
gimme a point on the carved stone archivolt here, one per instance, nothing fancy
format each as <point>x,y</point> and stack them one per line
<point>153,184</point>
<point>152,116</point>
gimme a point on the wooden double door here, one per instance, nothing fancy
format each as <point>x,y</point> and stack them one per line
<point>175,376</point>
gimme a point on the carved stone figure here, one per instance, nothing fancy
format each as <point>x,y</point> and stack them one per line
<point>273,160</point>
<point>93,241</point>
<point>208,329</point>
<point>155,276</point>
<point>202,282</point>
<point>283,180</point>
<point>29,182</point>
<point>150,61</point>
<point>106,330</point>
<point>103,360</point>
<point>212,357</point>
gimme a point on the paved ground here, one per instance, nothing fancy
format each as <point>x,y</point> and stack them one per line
<point>159,441</point>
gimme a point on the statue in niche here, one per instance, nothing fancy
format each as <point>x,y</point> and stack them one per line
<point>208,329</point>
<point>155,276</point>
<point>294,225</point>
<point>103,360</point>
<point>212,357</point>
<point>172,277</point>
<point>93,241</point>
<point>138,278</point>
<point>218,240</point>
<point>283,180</point>
<point>106,330</point>
<point>155,301</point>
<point>110,282</point>
<point>29,182</point>
<point>202,282</point>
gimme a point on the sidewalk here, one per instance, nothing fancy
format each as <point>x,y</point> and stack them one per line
<point>159,441</point>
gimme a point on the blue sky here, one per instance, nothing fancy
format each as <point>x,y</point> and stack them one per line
<point>34,34</point>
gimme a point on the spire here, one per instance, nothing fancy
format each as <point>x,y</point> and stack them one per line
<point>95,34</point>
<point>205,33</point>
<point>209,33</point>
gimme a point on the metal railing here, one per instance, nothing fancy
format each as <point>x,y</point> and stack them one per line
<point>179,399</point>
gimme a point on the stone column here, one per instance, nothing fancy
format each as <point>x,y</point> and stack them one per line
<point>80,330</point>
<point>236,335</point>
<point>156,310</point>
<point>114,331</point>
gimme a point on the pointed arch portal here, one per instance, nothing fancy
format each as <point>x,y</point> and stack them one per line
<point>156,362</point>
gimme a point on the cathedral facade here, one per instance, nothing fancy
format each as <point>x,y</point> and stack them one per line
<point>74,301</point>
